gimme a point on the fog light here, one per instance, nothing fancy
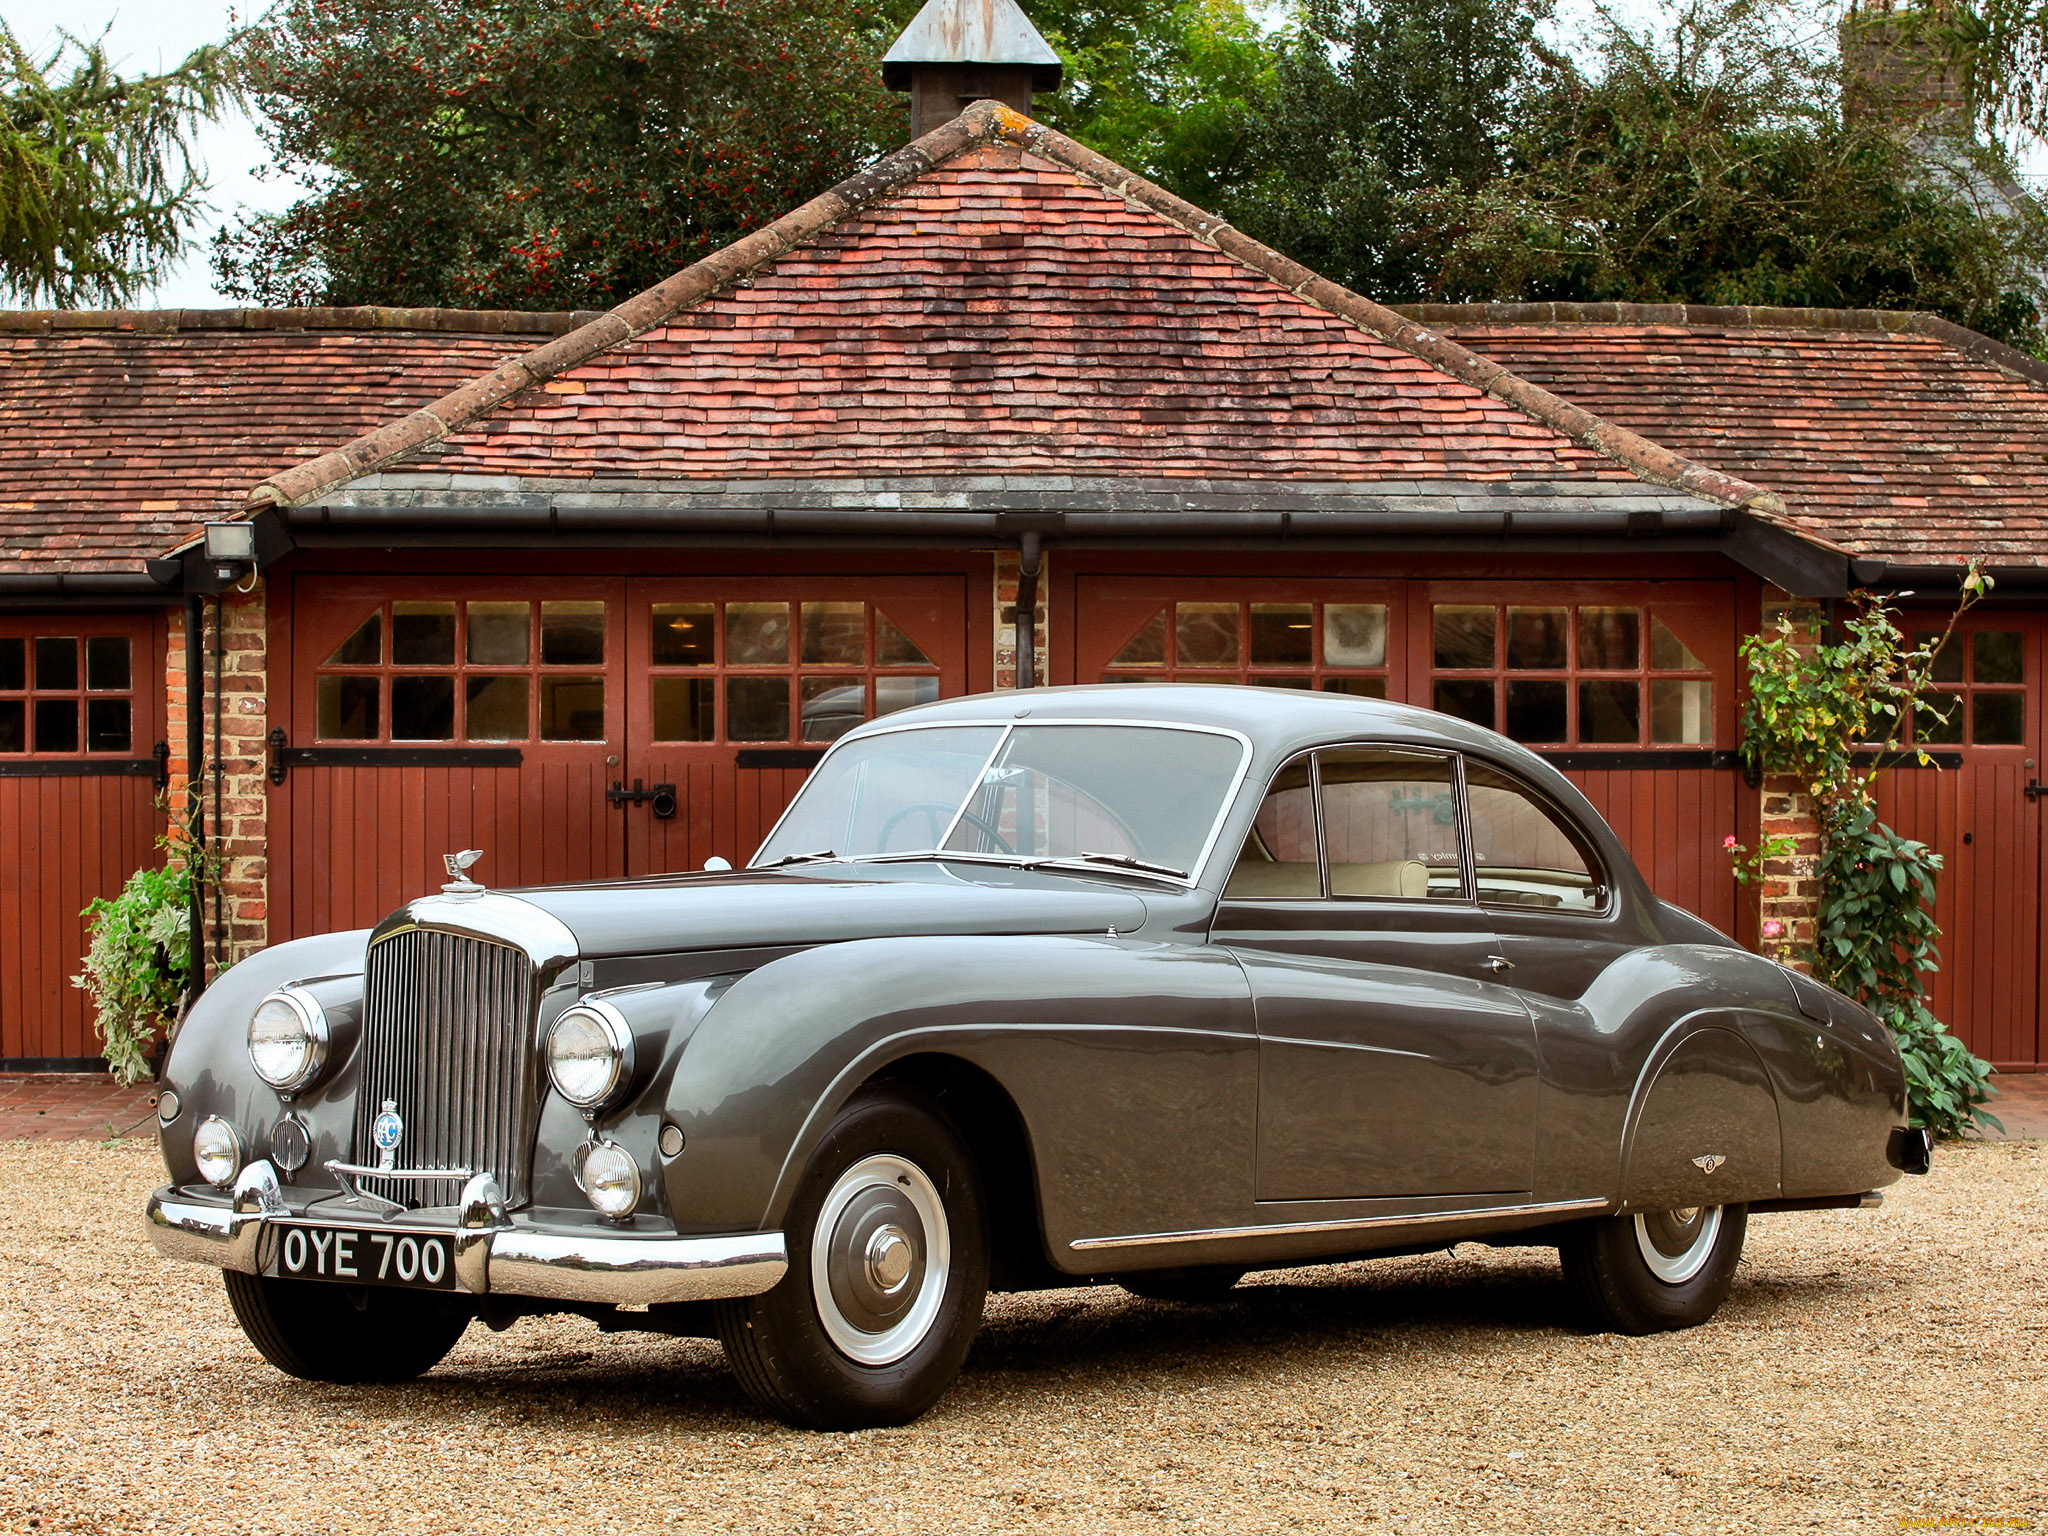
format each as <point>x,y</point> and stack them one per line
<point>612,1179</point>
<point>217,1149</point>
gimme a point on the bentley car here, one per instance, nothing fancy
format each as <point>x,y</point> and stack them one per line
<point>1148,985</point>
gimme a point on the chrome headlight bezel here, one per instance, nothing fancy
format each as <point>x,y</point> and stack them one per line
<point>238,1151</point>
<point>609,1026</point>
<point>315,1029</point>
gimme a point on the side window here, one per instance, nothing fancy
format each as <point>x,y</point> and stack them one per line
<point>1524,854</point>
<point>1279,858</point>
<point>1390,824</point>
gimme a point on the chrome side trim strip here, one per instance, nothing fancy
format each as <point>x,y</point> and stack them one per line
<point>1354,1224</point>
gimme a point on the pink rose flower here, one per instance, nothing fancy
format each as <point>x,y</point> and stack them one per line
<point>1774,929</point>
<point>1729,841</point>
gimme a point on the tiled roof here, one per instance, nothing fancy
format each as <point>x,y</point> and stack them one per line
<point>995,298</point>
<point>1901,436</point>
<point>120,433</point>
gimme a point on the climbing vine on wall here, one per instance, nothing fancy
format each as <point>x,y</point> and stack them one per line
<point>1828,713</point>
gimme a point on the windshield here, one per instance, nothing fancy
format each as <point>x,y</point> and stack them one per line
<point>1147,793</point>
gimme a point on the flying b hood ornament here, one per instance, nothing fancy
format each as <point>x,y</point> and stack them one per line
<point>459,883</point>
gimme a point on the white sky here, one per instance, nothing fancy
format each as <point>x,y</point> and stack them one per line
<point>153,34</point>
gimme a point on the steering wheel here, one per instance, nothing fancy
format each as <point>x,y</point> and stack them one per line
<point>938,813</point>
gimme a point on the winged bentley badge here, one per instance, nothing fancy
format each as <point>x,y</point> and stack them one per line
<point>1709,1163</point>
<point>459,883</point>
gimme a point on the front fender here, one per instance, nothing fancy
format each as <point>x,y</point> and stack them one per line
<point>1102,1043</point>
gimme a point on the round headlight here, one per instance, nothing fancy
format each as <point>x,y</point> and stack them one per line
<point>590,1052</point>
<point>217,1149</point>
<point>612,1179</point>
<point>288,1039</point>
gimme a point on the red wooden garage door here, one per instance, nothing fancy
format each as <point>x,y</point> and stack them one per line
<point>574,728</point>
<point>1977,813</point>
<point>80,717</point>
<point>1627,687</point>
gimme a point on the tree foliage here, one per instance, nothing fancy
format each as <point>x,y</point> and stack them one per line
<point>98,186</point>
<point>1713,163</point>
<point>544,153</point>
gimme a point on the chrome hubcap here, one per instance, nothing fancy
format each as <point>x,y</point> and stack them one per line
<point>1677,1244</point>
<point>880,1257</point>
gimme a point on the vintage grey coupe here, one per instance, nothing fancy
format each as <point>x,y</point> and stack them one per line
<point>1144,984</point>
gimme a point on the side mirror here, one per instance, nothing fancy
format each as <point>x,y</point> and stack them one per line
<point>715,863</point>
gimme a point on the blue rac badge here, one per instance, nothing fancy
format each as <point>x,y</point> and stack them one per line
<point>387,1130</point>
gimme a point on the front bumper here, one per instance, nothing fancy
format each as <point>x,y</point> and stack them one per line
<point>493,1254</point>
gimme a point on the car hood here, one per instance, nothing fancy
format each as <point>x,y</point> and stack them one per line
<point>747,909</point>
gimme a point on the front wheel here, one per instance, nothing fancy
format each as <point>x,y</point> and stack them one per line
<point>348,1334</point>
<point>888,1267</point>
<point>1655,1270</point>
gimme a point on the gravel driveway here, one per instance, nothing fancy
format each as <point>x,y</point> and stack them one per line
<point>1871,1367</point>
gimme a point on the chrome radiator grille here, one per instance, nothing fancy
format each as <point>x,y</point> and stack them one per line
<point>447,1031</point>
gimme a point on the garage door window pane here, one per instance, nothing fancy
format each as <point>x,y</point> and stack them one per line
<point>1390,825</point>
<point>894,693</point>
<point>500,634</point>
<point>685,635</point>
<point>422,635</point>
<point>1357,687</point>
<point>56,725</point>
<point>1538,638</point>
<point>1523,853</point>
<point>1463,636</point>
<point>572,708</point>
<point>757,708</point>
<point>1610,712</point>
<point>364,648</point>
<point>1536,709</point>
<point>1997,719</point>
<point>572,635</point>
<point>106,725</point>
<point>757,635</point>
<point>13,726</point>
<point>1668,653</point>
<point>422,708</point>
<point>497,708</point>
<point>1610,639</point>
<point>1205,634</point>
<point>1938,719</point>
<point>1283,634</point>
<point>835,635</point>
<point>832,706</point>
<point>683,709</point>
<point>893,648</point>
<point>1147,648</point>
<point>13,663</point>
<point>1681,713</point>
<point>348,708</point>
<point>1948,661</point>
<point>106,663</point>
<point>1995,657</point>
<point>1467,698</point>
<point>56,664</point>
<point>1355,635</point>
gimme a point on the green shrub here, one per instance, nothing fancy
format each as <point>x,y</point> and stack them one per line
<point>139,961</point>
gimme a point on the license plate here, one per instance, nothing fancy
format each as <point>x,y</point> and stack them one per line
<point>366,1256</point>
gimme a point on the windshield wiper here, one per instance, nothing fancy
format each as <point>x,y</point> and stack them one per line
<point>800,858</point>
<point>1117,860</point>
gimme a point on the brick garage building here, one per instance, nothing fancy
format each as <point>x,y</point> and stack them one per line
<point>515,572</point>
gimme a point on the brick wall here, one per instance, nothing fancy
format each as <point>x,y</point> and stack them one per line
<point>1006,573</point>
<point>1789,892</point>
<point>237,923</point>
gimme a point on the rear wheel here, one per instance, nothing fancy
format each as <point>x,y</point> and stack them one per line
<point>1655,1270</point>
<point>341,1333</point>
<point>1194,1284</point>
<point>888,1267</point>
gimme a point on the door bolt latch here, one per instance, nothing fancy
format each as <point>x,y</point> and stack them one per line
<point>663,797</point>
<point>2035,789</point>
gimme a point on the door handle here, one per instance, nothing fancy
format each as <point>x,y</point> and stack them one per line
<point>1500,965</point>
<point>663,796</point>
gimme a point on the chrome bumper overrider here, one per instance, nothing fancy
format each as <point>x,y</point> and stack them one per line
<point>505,1257</point>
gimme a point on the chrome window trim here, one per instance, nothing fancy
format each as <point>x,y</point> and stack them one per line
<point>1188,882</point>
<point>1577,835</point>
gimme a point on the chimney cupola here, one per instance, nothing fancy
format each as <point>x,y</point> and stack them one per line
<point>957,52</point>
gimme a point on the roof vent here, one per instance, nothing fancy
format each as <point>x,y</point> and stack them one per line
<point>957,52</point>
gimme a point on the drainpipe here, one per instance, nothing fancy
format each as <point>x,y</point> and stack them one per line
<point>1028,565</point>
<point>195,748</point>
<point>220,640</point>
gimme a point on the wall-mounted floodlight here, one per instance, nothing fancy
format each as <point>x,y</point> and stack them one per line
<point>230,549</point>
